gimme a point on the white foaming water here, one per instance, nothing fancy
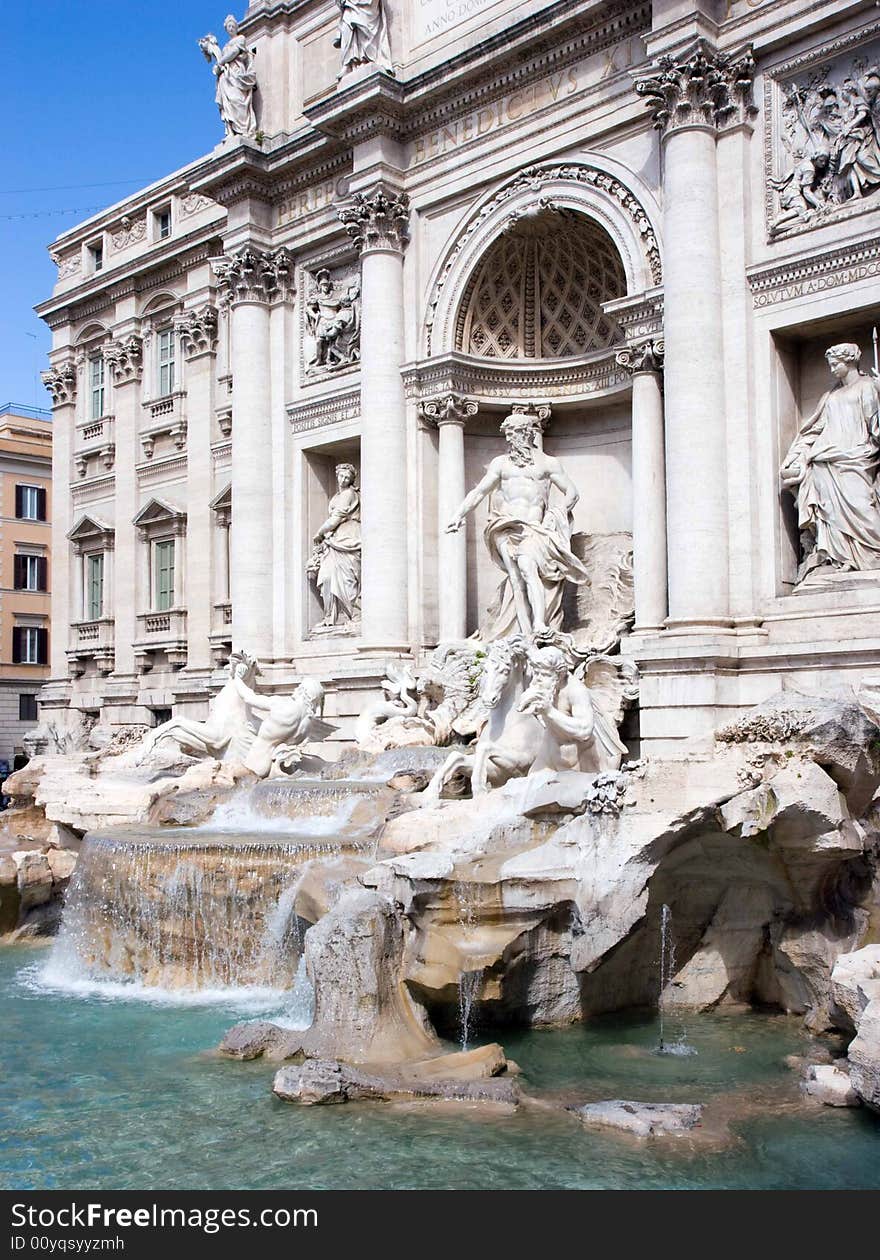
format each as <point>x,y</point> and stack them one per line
<point>49,978</point>
<point>240,815</point>
<point>298,1011</point>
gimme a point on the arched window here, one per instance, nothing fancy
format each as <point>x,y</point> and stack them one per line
<point>538,292</point>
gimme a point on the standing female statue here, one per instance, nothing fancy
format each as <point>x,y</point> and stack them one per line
<point>831,467</point>
<point>236,80</point>
<point>335,563</point>
<point>363,34</point>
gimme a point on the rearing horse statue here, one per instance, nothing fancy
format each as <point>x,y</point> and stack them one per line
<point>539,716</point>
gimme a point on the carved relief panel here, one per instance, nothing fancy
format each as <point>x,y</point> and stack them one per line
<point>331,319</point>
<point>822,122</point>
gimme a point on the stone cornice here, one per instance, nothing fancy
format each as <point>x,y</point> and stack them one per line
<point>515,381</point>
<point>328,409</point>
<point>796,277</point>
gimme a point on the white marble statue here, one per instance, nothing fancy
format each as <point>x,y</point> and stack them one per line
<point>333,320</point>
<point>831,468</point>
<point>335,563</point>
<point>363,34</point>
<point>540,716</point>
<point>528,537</point>
<point>287,722</point>
<point>228,731</point>
<point>236,80</point>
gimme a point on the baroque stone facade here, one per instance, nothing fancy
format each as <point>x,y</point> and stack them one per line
<point>629,222</point>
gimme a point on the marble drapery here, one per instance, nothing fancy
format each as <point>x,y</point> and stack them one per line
<point>363,34</point>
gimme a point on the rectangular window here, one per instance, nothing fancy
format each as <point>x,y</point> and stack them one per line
<point>96,253</point>
<point>163,224</point>
<point>29,573</point>
<point>165,350</point>
<point>30,645</point>
<point>164,575</point>
<point>27,708</point>
<point>96,388</point>
<point>30,503</point>
<point>94,587</point>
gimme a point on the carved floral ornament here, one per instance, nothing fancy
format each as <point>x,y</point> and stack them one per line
<point>377,220</point>
<point>60,381</point>
<point>197,330</point>
<point>647,357</point>
<point>533,182</point>
<point>255,275</point>
<point>700,87</point>
<point>124,358</point>
<point>447,409</point>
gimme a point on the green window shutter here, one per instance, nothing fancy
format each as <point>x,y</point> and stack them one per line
<point>164,575</point>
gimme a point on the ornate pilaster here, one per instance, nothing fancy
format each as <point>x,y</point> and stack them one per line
<point>255,275</point>
<point>125,357</point>
<point>644,361</point>
<point>197,330</point>
<point>449,414</point>
<point>377,220</point>
<point>700,86</point>
<point>60,380</point>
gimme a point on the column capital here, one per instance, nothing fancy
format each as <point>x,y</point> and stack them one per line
<point>124,356</point>
<point>197,329</point>
<point>378,219</point>
<point>700,87</point>
<point>645,357</point>
<point>447,409</point>
<point>61,380</point>
<point>254,275</point>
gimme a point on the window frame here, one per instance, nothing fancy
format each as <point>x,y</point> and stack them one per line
<point>91,557</point>
<point>162,546</point>
<point>159,216</point>
<point>165,338</point>
<point>25,637</point>
<point>39,501</point>
<point>26,717</point>
<point>97,390</point>
<point>28,565</point>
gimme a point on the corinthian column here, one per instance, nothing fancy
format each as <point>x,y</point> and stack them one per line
<point>692,96</point>
<point>252,280</point>
<point>377,221</point>
<point>61,381</point>
<point>449,414</point>
<point>124,358</point>
<point>649,484</point>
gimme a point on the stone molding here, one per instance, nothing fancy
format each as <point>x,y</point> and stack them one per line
<point>700,87</point>
<point>377,220</point>
<point>447,409</point>
<point>514,382</point>
<point>318,412</point>
<point>795,278</point>
<point>255,275</point>
<point>646,357</point>
<point>532,182</point>
<point>125,359</point>
<point>130,232</point>
<point>95,489</point>
<point>197,330</point>
<point>61,380</point>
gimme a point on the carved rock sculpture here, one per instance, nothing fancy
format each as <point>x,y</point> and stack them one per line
<point>830,469</point>
<point>540,716</point>
<point>527,537</point>
<point>831,134</point>
<point>333,319</point>
<point>236,80</point>
<point>363,35</point>
<point>335,563</point>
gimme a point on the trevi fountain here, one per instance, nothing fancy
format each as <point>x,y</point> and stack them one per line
<point>465,698</point>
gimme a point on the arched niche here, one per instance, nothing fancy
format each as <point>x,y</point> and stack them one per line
<point>590,193</point>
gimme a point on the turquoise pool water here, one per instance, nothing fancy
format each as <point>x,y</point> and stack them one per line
<point>120,1094</point>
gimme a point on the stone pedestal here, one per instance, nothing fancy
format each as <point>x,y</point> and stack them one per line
<point>377,222</point>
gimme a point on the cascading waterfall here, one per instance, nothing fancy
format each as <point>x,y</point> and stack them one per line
<point>470,982</point>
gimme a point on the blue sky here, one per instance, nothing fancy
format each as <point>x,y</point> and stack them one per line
<point>107,93</point>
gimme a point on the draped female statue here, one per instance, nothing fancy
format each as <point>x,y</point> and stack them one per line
<point>363,34</point>
<point>335,563</point>
<point>236,80</point>
<point>831,467</point>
